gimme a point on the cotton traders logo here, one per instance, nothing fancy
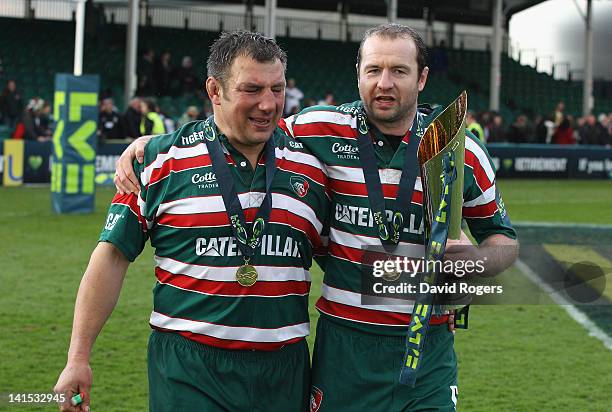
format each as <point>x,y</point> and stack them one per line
<point>299,185</point>
<point>345,151</point>
<point>204,181</point>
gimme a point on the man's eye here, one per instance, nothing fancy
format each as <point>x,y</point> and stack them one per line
<point>373,71</point>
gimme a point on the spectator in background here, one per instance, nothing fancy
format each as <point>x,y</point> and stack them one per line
<point>485,119</point>
<point>328,100</point>
<point>164,74</point>
<point>190,115</point>
<point>520,131</point>
<point>564,133</point>
<point>439,59</point>
<point>473,126</point>
<point>559,113</point>
<point>602,125</point>
<point>146,75</point>
<point>167,121</point>
<point>550,128</point>
<point>206,110</point>
<point>496,130</point>
<point>187,77</point>
<point>131,119</point>
<point>36,120</point>
<point>541,131</point>
<point>604,122</point>
<point>293,96</point>
<point>46,120</point>
<point>150,122</point>
<point>591,132</point>
<point>577,125</point>
<point>11,104</point>
<point>109,121</point>
<point>309,102</point>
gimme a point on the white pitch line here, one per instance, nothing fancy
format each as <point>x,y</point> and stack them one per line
<point>563,225</point>
<point>571,310</point>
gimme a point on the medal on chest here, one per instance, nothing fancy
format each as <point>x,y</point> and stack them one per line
<point>248,236</point>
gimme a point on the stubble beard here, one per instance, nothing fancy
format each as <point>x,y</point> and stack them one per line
<point>387,117</point>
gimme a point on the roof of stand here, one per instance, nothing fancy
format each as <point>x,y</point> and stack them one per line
<point>477,12</point>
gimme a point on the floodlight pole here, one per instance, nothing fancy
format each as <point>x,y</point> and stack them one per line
<point>429,36</point>
<point>78,37</point>
<point>495,80</point>
<point>587,85</point>
<point>131,50</point>
<point>392,11</point>
<point>28,11</point>
<point>270,18</point>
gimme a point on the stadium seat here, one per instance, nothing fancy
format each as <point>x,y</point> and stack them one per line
<point>328,66</point>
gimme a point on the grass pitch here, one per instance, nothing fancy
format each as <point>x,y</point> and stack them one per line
<point>513,358</point>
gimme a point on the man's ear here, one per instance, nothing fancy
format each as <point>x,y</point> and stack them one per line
<point>357,72</point>
<point>214,90</point>
<point>423,78</point>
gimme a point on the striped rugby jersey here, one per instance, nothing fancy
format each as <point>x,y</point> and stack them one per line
<point>330,133</point>
<point>180,209</point>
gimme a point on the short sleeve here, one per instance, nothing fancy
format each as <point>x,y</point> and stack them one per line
<point>483,206</point>
<point>125,226</point>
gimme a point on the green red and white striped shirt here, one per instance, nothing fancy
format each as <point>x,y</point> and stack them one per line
<point>181,211</point>
<point>330,133</point>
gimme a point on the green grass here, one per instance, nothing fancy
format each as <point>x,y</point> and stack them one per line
<point>576,201</point>
<point>513,358</point>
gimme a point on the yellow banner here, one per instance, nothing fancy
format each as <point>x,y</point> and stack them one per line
<point>13,162</point>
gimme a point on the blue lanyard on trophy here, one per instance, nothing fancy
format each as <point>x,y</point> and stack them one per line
<point>248,236</point>
<point>423,306</point>
<point>389,232</point>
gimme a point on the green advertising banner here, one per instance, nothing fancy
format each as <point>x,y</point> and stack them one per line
<point>74,143</point>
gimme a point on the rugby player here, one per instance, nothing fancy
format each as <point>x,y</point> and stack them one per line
<point>234,210</point>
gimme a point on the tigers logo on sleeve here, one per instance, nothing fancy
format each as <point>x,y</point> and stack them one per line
<point>316,397</point>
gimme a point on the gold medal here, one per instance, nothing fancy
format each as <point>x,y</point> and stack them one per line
<point>391,275</point>
<point>246,275</point>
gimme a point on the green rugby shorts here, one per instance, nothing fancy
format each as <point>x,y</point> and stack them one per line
<point>357,371</point>
<point>189,376</point>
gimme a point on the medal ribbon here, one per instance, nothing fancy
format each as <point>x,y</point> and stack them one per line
<point>423,306</point>
<point>389,232</point>
<point>249,237</point>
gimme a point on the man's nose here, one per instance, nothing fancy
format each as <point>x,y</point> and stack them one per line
<point>385,81</point>
<point>267,102</point>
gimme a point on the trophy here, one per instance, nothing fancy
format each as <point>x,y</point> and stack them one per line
<point>441,159</point>
<point>444,138</point>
